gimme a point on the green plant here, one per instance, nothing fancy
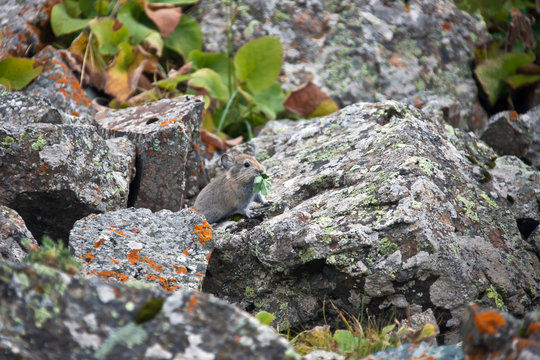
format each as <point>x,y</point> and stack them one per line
<point>497,298</point>
<point>53,254</point>
<point>114,42</point>
<point>357,340</point>
<point>509,62</point>
<point>265,317</point>
<point>262,185</point>
<point>16,73</point>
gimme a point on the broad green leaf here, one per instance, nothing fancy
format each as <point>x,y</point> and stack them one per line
<point>258,63</point>
<point>387,329</point>
<point>518,80</point>
<point>186,37</point>
<point>16,73</point>
<point>72,8</point>
<point>428,330</point>
<point>261,184</point>
<point>326,107</point>
<point>62,23</point>
<point>492,72</point>
<point>108,34</point>
<point>346,341</point>
<point>175,2</point>
<point>133,17</point>
<point>265,317</point>
<point>209,80</point>
<point>270,101</point>
<point>217,62</point>
<point>171,83</point>
<point>95,8</point>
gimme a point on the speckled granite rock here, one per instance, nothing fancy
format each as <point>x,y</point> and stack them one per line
<point>54,174</point>
<point>58,85</point>
<point>361,50</point>
<point>495,335</point>
<point>166,134</point>
<point>375,202</point>
<point>169,249</point>
<point>508,134</point>
<point>18,108</point>
<point>22,23</point>
<point>532,119</point>
<point>49,315</point>
<point>13,232</point>
<point>520,185</point>
<point>419,351</point>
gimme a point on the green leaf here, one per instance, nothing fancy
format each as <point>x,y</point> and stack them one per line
<point>175,2</point>
<point>108,35</point>
<point>186,37</point>
<point>346,341</point>
<point>387,329</point>
<point>265,317</point>
<point>16,73</point>
<point>326,107</point>
<point>171,83</point>
<point>270,101</point>
<point>258,63</point>
<point>261,184</point>
<point>73,8</point>
<point>62,23</point>
<point>519,80</point>
<point>492,73</point>
<point>217,62</point>
<point>133,17</point>
<point>210,81</point>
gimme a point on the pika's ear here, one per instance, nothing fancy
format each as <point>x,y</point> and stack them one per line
<point>227,161</point>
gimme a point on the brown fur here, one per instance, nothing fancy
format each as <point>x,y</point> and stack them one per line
<point>232,192</point>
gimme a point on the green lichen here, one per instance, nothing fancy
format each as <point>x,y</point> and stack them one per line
<point>486,176</point>
<point>41,315</point>
<point>497,298</point>
<point>387,247</point>
<point>280,16</point>
<point>469,207</point>
<point>156,145</point>
<point>489,200</point>
<point>262,155</point>
<point>307,255</point>
<point>425,164</point>
<point>129,335</point>
<point>249,292</point>
<point>39,144</point>
<point>7,141</point>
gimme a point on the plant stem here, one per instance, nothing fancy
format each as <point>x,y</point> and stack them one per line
<point>249,129</point>
<point>225,111</point>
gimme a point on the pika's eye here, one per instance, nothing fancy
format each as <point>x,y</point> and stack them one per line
<point>246,164</point>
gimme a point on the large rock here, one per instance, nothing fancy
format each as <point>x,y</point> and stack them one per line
<point>166,134</point>
<point>55,174</point>
<point>508,134</point>
<point>21,26</point>
<point>49,315</point>
<point>532,119</point>
<point>361,50</point>
<point>15,238</point>
<point>169,249</point>
<point>377,206</point>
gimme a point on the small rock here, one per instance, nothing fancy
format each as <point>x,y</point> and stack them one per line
<point>13,234</point>
<point>508,134</point>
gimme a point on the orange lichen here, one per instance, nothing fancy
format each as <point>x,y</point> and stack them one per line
<point>90,257</point>
<point>152,264</point>
<point>446,26</point>
<point>133,256</point>
<point>204,231</point>
<point>199,274</point>
<point>110,273</point>
<point>117,292</point>
<point>164,282</point>
<point>185,252</point>
<point>136,230</point>
<point>43,168</point>
<point>117,231</point>
<point>208,256</point>
<point>192,303</point>
<point>114,260</point>
<point>533,328</point>
<point>75,113</point>
<point>487,322</point>
<point>180,269</point>
<point>166,122</point>
<point>99,242</point>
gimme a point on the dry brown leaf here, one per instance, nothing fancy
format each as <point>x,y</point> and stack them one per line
<point>94,67</point>
<point>233,142</point>
<point>185,69</point>
<point>165,16</point>
<point>123,79</point>
<point>212,139</point>
<point>304,99</point>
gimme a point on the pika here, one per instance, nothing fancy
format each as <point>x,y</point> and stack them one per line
<point>232,192</point>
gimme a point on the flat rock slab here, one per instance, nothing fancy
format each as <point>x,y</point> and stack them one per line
<point>13,235</point>
<point>55,174</point>
<point>166,134</point>
<point>50,315</point>
<point>166,248</point>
